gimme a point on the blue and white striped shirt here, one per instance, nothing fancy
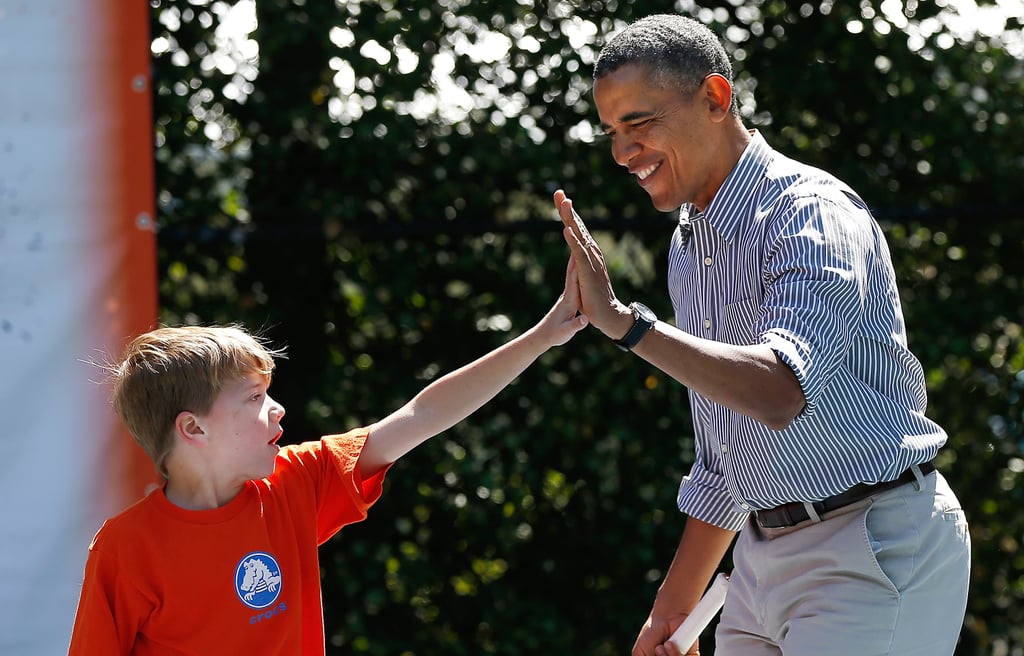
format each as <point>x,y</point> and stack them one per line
<point>789,256</point>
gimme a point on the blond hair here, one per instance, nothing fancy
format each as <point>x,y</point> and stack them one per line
<point>171,370</point>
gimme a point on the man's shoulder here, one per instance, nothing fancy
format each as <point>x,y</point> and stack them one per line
<point>793,177</point>
<point>789,185</point>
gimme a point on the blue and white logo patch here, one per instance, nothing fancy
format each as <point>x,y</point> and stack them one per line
<point>258,580</point>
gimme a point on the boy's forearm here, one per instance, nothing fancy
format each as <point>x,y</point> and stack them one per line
<point>449,399</point>
<point>456,395</point>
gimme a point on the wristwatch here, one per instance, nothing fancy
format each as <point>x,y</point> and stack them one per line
<point>644,320</point>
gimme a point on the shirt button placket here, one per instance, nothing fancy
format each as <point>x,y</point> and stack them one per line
<point>708,261</point>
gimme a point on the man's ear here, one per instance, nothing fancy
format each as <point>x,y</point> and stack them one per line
<point>188,428</point>
<point>718,91</point>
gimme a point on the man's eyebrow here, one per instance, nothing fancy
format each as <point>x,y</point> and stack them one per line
<point>626,118</point>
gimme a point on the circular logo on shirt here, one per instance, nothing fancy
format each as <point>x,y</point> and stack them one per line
<point>258,580</point>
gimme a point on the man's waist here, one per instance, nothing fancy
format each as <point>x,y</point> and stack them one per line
<point>791,514</point>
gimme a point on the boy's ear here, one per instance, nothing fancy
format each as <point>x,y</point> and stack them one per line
<point>188,428</point>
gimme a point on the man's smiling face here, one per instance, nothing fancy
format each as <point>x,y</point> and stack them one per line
<point>661,135</point>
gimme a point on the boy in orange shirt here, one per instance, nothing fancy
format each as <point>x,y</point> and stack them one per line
<point>223,558</point>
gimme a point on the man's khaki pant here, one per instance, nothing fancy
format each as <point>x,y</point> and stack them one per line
<point>886,576</point>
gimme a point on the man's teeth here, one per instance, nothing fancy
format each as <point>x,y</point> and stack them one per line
<point>643,173</point>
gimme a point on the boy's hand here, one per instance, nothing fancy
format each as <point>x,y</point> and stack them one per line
<point>564,320</point>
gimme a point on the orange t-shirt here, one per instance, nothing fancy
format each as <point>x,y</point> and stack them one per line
<point>240,579</point>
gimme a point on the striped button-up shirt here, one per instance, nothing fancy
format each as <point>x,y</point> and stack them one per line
<point>788,256</point>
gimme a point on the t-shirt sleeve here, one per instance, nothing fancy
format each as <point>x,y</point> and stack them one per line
<point>325,473</point>
<point>105,596</point>
<point>347,495</point>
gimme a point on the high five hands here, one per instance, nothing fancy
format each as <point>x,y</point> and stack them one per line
<point>597,297</point>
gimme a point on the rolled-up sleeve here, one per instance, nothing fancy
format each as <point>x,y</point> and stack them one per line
<point>703,495</point>
<point>816,289</point>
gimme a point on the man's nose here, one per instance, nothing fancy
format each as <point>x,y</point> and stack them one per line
<point>624,148</point>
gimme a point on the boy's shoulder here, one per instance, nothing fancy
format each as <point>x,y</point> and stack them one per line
<point>129,523</point>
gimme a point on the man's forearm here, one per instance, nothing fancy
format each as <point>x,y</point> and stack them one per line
<point>751,380</point>
<point>697,558</point>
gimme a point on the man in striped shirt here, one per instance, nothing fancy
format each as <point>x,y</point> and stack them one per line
<point>809,410</point>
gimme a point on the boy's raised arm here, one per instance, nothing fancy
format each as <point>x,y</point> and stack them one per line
<point>453,397</point>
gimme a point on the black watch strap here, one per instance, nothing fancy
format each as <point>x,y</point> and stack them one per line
<point>644,320</point>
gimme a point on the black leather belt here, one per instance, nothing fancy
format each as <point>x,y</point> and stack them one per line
<point>791,514</point>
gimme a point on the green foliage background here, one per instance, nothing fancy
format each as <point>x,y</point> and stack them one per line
<point>384,245</point>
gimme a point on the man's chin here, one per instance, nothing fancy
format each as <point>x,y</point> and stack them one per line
<point>665,204</point>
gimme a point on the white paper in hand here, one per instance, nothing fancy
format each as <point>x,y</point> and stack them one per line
<point>702,614</point>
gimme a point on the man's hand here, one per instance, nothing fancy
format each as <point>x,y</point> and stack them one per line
<point>597,298</point>
<point>654,638</point>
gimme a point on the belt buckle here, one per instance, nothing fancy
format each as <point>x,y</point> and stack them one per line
<point>781,513</point>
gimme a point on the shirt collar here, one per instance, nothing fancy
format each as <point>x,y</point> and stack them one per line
<point>724,212</point>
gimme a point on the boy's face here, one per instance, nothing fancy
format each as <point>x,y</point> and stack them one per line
<point>243,428</point>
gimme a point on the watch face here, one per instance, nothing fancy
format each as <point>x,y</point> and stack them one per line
<point>644,321</point>
<point>644,312</point>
